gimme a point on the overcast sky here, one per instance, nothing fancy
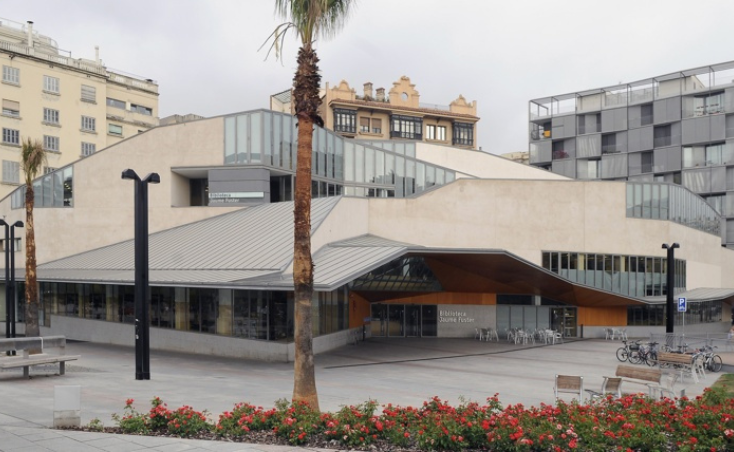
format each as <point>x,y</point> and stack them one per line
<point>204,54</point>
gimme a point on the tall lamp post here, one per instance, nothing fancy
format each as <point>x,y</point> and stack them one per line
<point>669,304</point>
<point>142,286</point>
<point>10,276</point>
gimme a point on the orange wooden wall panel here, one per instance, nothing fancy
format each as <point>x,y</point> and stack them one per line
<point>607,316</point>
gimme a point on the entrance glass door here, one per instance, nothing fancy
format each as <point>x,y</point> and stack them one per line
<point>379,320</point>
<point>403,320</point>
<point>412,320</point>
<point>395,320</point>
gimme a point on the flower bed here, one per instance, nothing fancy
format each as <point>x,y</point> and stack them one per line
<point>632,423</point>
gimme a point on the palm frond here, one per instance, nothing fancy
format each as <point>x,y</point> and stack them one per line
<point>32,159</point>
<point>315,18</point>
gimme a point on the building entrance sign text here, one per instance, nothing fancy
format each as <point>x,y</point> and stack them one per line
<point>454,317</point>
<point>239,196</point>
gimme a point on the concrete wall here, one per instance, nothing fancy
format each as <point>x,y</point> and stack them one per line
<point>181,341</point>
<point>531,216</point>
<point>103,202</point>
<point>480,164</point>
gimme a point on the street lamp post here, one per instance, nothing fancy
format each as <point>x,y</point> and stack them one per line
<point>669,304</point>
<point>10,277</point>
<point>142,286</point>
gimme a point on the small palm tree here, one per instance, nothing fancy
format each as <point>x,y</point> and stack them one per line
<point>309,19</point>
<point>33,157</point>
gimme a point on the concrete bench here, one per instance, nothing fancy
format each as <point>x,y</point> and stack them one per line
<point>653,379</point>
<point>571,384</point>
<point>26,344</point>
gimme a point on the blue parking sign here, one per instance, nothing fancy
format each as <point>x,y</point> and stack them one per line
<point>682,304</point>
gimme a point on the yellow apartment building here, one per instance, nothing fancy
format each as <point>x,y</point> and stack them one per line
<point>75,106</point>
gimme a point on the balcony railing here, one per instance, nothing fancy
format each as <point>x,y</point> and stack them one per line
<point>408,135</point>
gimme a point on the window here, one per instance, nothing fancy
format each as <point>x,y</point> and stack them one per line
<point>50,116</point>
<point>646,159</point>
<point>51,143</point>
<point>48,170</point>
<point>406,127</point>
<point>646,114</point>
<point>89,124</point>
<point>51,84</point>
<point>558,151</point>
<point>708,105</point>
<point>11,136</point>
<point>89,94</point>
<point>370,125</point>
<point>115,103</point>
<point>11,75</point>
<point>609,144</point>
<point>662,136</point>
<point>114,129</point>
<point>463,134</point>
<point>11,172</point>
<point>16,248</point>
<point>142,110</point>
<point>345,120</point>
<point>435,132</point>
<point>88,149</point>
<point>710,155</point>
<point>11,108</point>
<point>441,133</point>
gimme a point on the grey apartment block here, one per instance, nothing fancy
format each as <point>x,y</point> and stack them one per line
<point>675,128</point>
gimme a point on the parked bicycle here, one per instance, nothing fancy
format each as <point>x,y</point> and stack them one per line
<point>630,352</point>
<point>648,354</point>
<point>711,361</point>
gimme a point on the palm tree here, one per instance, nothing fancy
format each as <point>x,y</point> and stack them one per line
<point>309,19</point>
<point>33,156</point>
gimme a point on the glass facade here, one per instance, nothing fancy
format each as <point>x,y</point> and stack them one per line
<point>654,315</point>
<point>636,276</point>
<point>674,203</point>
<point>54,189</point>
<point>351,167</point>
<point>249,314</point>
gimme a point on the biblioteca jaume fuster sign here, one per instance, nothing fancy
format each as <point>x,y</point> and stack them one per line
<point>454,317</point>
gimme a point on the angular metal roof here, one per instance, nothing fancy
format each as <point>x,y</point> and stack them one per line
<point>250,242</point>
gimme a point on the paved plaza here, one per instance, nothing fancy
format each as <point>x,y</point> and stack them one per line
<point>400,371</point>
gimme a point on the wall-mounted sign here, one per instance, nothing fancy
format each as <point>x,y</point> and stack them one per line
<point>454,317</point>
<point>236,196</point>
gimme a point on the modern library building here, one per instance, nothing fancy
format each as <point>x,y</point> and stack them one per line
<point>409,239</point>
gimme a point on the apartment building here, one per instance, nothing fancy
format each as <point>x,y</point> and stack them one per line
<point>675,128</point>
<point>74,106</point>
<point>396,114</point>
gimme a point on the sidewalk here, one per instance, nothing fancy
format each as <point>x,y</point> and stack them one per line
<point>399,371</point>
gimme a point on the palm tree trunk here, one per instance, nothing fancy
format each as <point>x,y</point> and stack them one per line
<point>305,93</point>
<point>31,286</point>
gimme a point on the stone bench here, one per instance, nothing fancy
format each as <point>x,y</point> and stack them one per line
<point>26,360</point>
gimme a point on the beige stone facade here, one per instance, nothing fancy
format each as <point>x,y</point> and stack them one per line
<point>397,113</point>
<point>74,106</point>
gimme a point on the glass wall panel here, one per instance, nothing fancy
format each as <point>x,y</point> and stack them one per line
<point>256,141</point>
<point>267,138</point>
<point>409,177</point>
<point>349,162</point>
<point>277,160</point>
<point>359,163</point>
<point>230,140</point>
<point>242,139</point>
